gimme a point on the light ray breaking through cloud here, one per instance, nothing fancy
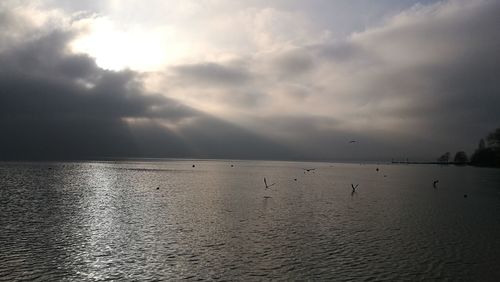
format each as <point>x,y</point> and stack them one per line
<point>250,79</point>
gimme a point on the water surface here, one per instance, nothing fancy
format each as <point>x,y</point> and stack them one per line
<point>165,220</point>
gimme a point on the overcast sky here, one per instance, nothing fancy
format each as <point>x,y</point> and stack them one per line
<point>247,79</point>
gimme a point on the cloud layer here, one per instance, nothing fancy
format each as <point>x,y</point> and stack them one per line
<point>59,105</point>
<point>270,82</point>
<point>421,82</point>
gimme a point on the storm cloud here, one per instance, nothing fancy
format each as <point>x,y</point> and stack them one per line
<point>58,105</point>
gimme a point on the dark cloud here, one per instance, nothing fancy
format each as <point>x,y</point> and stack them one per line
<point>213,74</point>
<point>325,138</point>
<point>423,82</point>
<point>41,79</point>
<point>432,70</point>
<point>225,83</point>
<point>59,105</point>
<point>345,53</point>
<point>293,63</point>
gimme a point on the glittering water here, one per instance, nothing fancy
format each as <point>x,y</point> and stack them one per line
<point>167,220</point>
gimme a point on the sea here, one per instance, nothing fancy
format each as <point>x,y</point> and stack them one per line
<point>197,220</point>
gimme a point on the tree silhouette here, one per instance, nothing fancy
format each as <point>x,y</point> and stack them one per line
<point>482,144</point>
<point>445,158</point>
<point>494,139</point>
<point>488,155</point>
<point>461,158</point>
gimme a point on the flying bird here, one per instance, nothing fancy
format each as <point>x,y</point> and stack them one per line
<point>354,188</point>
<point>309,169</point>
<point>268,186</point>
<point>352,141</point>
<point>434,184</point>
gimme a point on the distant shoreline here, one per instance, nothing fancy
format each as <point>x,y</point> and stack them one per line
<point>441,163</point>
<point>239,160</point>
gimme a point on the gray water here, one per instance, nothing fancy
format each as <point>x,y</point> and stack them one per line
<point>97,221</point>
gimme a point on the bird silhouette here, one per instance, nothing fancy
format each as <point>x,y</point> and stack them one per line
<point>434,184</point>
<point>352,141</point>
<point>354,189</point>
<point>268,186</point>
<point>309,169</point>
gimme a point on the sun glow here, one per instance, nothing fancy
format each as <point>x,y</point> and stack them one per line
<point>136,48</point>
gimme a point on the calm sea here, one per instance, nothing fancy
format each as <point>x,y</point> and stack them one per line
<point>168,220</point>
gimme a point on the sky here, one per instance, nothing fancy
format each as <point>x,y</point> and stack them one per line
<point>290,80</point>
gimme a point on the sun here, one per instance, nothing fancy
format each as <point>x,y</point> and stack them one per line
<point>135,47</point>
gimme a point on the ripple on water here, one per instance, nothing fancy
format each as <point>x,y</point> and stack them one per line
<point>107,221</point>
